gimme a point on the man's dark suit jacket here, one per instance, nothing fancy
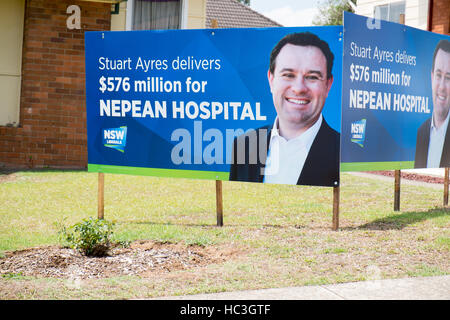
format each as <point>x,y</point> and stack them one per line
<point>321,166</point>
<point>422,143</point>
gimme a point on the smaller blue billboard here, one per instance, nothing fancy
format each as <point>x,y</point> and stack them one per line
<point>395,98</point>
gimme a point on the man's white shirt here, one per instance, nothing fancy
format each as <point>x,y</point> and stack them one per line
<point>436,145</point>
<point>286,158</point>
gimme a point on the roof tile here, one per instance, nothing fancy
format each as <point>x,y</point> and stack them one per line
<point>233,14</point>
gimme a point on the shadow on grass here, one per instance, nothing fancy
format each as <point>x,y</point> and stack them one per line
<point>8,171</point>
<point>9,174</point>
<point>212,225</point>
<point>153,223</point>
<point>402,220</point>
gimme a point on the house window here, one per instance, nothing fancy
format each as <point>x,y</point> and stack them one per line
<point>11,34</point>
<point>390,12</point>
<point>156,14</point>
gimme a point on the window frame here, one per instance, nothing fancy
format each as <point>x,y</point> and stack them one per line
<point>130,7</point>
<point>388,5</point>
<point>12,74</point>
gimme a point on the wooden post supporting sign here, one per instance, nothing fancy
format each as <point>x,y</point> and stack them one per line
<point>397,190</point>
<point>219,203</point>
<point>101,195</point>
<point>336,192</point>
<point>397,174</point>
<point>446,187</point>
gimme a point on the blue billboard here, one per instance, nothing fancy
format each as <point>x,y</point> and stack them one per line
<point>396,96</point>
<point>252,105</point>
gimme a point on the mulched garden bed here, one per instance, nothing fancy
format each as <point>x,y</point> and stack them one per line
<point>411,176</point>
<point>142,257</point>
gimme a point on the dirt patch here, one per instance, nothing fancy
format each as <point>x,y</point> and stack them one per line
<point>141,258</point>
<point>411,176</point>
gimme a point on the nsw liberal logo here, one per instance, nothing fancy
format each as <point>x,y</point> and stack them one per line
<point>115,138</point>
<point>359,132</point>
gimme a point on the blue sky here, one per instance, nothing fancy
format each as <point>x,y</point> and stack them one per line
<point>287,12</point>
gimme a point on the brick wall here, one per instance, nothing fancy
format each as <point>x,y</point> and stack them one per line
<point>52,130</point>
<point>440,21</point>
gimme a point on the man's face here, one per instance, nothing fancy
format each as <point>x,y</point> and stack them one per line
<point>299,85</point>
<point>440,84</point>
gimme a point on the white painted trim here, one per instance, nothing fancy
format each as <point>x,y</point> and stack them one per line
<point>129,18</point>
<point>184,14</point>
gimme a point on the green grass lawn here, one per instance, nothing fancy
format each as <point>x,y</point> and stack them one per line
<point>283,233</point>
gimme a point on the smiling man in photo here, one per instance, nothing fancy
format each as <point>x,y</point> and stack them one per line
<point>300,147</point>
<point>433,136</point>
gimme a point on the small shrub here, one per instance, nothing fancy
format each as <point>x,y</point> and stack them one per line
<point>92,237</point>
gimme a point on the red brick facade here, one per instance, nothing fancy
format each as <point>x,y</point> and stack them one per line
<point>52,131</point>
<point>440,20</point>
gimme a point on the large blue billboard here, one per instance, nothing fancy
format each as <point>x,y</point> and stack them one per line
<point>396,96</point>
<point>203,103</point>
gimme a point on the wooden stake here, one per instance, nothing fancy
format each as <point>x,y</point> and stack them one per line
<point>397,190</point>
<point>335,225</point>
<point>446,187</point>
<point>101,195</point>
<point>219,203</point>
